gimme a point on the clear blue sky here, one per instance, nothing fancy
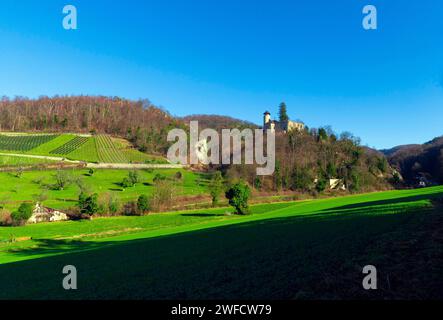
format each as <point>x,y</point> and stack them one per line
<point>239,58</point>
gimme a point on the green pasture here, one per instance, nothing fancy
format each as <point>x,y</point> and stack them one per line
<point>31,184</point>
<point>293,250</point>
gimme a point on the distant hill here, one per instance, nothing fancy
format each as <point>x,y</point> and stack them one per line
<point>217,122</point>
<point>418,160</point>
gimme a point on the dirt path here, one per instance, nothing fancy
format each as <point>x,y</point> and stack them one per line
<point>38,157</point>
<point>133,166</point>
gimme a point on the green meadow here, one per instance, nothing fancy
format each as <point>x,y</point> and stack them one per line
<point>30,184</point>
<point>290,250</point>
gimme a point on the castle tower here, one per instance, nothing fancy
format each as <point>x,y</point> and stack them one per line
<point>266,119</point>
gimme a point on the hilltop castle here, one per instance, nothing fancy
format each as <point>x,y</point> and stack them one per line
<point>281,126</point>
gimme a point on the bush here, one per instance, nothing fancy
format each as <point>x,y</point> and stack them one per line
<point>113,204</point>
<point>62,180</point>
<point>134,177</point>
<point>321,185</point>
<point>131,180</point>
<point>301,179</point>
<point>130,209</point>
<point>5,218</point>
<point>23,214</point>
<point>126,183</point>
<point>163,195</point>
<point>238,196</point>
<point>216,187</point>
<point>355,183</point>
<point>143,205</point>
<point>178,176</point>
<point>159,177</point>
<point>88,204</point>
<point>257,183</point>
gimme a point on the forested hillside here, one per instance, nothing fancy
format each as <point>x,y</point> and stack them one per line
<point>139,121</point>
<point>307,156</point>
<point>419,161</point>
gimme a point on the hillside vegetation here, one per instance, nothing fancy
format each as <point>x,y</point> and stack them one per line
<point>319,155</point>
<point>99,148</point>
<point>415,161</point>
<point>144,124</point>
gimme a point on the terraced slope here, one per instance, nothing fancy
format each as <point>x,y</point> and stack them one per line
<point>70,146</point>
<point>87,151</point>
<point>23,143</point>
<point>100,148</point>
<point>108,151</point>
<point>46,148</point>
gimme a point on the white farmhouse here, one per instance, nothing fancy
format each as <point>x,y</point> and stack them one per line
<point>43,214</point>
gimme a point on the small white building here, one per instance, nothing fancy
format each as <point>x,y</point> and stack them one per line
<point>334,184</point>
<point>43,214</point>
<point>337,184</point>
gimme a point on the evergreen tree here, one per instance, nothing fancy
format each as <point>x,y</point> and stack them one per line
<point>283,115</point>
<point>216,187</point>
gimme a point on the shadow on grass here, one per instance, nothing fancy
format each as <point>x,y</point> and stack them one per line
<point>400,200</point>
<point>202,215</point>
<point>66,200</point>
<point>327,218</point>
<point>52,246</point>
<point>309,256</point>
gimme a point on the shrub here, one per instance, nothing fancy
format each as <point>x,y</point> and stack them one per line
<point>131,180</point>
<point>163,194</point>
<point>134,177</point>
<point>178,176</point>
<point>126,183</point>
<point>19,172</point>
<point>143,205</point>
<point>130,209</point>
<point>321,185</point>
<point>216,187</point>
<point>113,204</point>
<point>62,180</point>
<point>83,186</point>
<point>88,204</point>
<point>159,177</point>
<point>23,213</point>
<point>238,196</point>
<point>382,164</point>
<point>257,183</point>
<point>5,218</point>
<point>355,182</point>
<point>301,179</point>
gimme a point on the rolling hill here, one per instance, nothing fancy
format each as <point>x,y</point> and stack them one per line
<point>415,161</point>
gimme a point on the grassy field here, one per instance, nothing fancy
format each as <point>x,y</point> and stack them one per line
<point>11,161</point>
<point>294,250</point>
<point>14,190</point>
<point>100,148</point>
